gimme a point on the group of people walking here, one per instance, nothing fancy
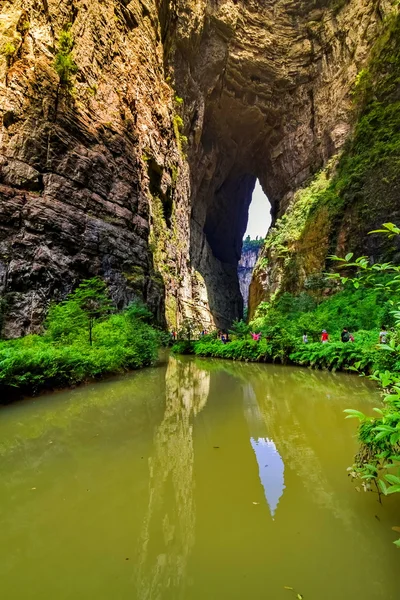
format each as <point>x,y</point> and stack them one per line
<point>346,336</point>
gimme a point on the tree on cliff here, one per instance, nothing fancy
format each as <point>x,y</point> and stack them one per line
<point>64,63</point>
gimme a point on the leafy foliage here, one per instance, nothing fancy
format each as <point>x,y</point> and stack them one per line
<point>243,349</point>
<point>81,340</point>
<point>249,244</point>
<point>240,329</point>
<point>378,461</point>
<point>64,63</point>
<point>92,299</point>
<point>183,347</point>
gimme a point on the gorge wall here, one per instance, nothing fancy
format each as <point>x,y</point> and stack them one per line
<point>355,193</point>
<point>142,170</point>
<point>246,266</point>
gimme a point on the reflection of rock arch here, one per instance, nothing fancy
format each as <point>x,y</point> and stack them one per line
<point>270,464</point>
<point>168,528</point>
<point>285,427</point>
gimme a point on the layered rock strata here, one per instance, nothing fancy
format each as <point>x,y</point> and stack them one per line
<point>92,178</point>
<point>100,179</point>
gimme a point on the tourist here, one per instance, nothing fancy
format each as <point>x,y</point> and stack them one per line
<point>256,336</point>
<point>351,337</point>
<point>305,338</point>
<point>383,335</point>
<point>345,336</point>
<point>324,337</point>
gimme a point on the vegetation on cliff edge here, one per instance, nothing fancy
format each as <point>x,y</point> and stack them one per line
<point>249,244</point>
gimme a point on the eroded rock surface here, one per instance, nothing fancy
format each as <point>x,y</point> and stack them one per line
<point>267,95</point>
<point>77,169</point>
<point>102,181</point>
<point>246,266</point>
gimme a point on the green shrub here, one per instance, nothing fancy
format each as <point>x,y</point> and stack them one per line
<point>239,329</point>
<point>9,50</point>
<point>183,347</point>
<point>66,355</point>
<point>64,63</point>
<point>88,304</point>
<point>249,350</point>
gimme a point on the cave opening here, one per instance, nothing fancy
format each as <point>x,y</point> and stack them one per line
<point>258,224</point>
<point>259,217</point>
<point>231,208</point>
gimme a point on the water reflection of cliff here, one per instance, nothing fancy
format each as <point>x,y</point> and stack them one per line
<point>168,528</point>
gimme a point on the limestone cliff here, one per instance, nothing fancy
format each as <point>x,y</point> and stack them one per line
<point>355,193</point>
<point>267,90</point>
<point>246,266</point>
<point>93,180</point>
<point>142,170</point>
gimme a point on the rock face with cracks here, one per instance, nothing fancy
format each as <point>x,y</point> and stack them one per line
<point>246,266</point>
<point>142,169</point>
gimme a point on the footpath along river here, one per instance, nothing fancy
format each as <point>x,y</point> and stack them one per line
<point>193,480</point>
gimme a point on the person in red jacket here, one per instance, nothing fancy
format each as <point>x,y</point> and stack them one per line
<point>324,336</point>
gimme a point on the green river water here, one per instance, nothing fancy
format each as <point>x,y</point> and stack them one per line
<point>193,480</point>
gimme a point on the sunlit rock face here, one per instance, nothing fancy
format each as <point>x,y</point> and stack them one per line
<point>102,182</point>
<point>74,195</point>
<point>246,266</point>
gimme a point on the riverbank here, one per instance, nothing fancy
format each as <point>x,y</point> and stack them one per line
<point>26,371</point>
<point>82,340</point>
<point>31,365</point>
<point>363,355</point>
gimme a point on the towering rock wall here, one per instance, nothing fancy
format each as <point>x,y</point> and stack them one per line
<point>92,179</point>
<point>100,179</point>
<point>354,194</point>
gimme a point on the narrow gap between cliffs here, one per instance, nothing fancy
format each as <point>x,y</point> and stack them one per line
<point>258,224</point>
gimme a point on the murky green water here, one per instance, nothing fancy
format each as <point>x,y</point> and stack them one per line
<point>203,480</point>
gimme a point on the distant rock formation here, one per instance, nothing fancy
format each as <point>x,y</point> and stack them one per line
<point>245,271</point>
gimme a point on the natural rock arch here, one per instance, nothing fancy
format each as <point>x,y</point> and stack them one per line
<point>101,184</point>
<point>266,90</point>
